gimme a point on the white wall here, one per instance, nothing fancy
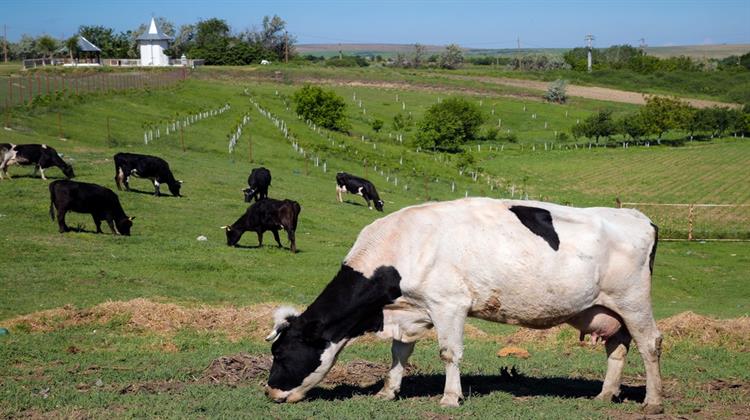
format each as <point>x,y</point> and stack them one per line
<point>152,53</point>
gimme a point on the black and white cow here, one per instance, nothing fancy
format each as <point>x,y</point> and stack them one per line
<point>81,197</point>
<point>265,215</point>
<point>258,183</point>
<point>525,263</point>
<point>360,186</point>
<point>144,166</point>
<point>39,155</point>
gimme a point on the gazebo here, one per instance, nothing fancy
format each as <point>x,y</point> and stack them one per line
<point>90,52</point>
<point>152,45</point>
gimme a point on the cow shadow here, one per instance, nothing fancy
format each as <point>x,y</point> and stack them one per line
<point>37,176</point>
<point>284,248</point>
<point>151,193</point>
<point>354,203</point>
<point>421,385</point>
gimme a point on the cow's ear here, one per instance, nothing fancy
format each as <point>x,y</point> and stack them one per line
<point>225,227</point>
<point>282,318</point>
<point>131,218</point>
<point>180,181</point>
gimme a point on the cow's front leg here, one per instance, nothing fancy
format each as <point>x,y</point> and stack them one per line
<point>260,238</point>
<point>400,352</point>
<point>41,170</point>
<point>110,222</point>
<point>449,325</point>
<point>156,188</point>
<point>276,236</point>
<point>98,224</point>
<point>338,195</point>
<point>61,221</point>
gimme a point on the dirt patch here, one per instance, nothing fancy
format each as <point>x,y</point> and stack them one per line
<point>237,368</point>
<point>161,318</point>
<point>360,373</point>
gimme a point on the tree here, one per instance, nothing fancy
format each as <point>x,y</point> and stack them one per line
<point>451,58</point>
<point>322,107</point>
<point>46,45</point>
<point>449,124</point>
<point>556,92</point>
<point>211,40</point>
<point>112,45</point>
<point>632,125</point>
<point>402,122</point>
<point>273,38</point>
<point>184,40</point>
<point>377,125</point>
<point>419,54</point>
<point>661,114</point>
<point>596,126</point>
<point>71,44</point>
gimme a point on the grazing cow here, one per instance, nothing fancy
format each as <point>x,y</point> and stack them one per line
<point>39,155</point>
<point>144,166</point>
<point>525,263</point>
<point>80,197</point>
<point>258,183</point>
<point>360,186</point>
<point>265,215</point>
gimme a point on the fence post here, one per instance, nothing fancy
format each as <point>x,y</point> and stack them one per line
<point>690,222</point>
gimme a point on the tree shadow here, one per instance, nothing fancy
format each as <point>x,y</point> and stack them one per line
<point>480,385</point>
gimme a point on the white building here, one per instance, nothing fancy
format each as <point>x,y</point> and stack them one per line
<point>152,45</point>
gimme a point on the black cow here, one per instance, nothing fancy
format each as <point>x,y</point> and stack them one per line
<point>39,155</point>
<point>264,215</point>
<point>360,186</point>
<point>258,183</point>
<point>81,197</point>
<point>144,166</point>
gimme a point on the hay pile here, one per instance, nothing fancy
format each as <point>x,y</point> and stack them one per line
<point>160,318</point>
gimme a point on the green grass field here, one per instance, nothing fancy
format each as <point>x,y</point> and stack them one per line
<point>80,365</point>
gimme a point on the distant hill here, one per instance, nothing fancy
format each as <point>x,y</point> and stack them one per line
<point>696,51</point>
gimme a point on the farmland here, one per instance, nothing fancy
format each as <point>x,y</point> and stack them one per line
<point>137,326</point>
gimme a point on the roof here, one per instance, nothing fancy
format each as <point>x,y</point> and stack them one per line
<point>86,46</point>
<point>154,34</point>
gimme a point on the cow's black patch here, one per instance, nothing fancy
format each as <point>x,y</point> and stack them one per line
<point>652,256</point>
<point>349,306</point>
<point>539,221</point>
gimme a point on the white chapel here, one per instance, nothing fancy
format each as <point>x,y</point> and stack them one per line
<point>152,45</point>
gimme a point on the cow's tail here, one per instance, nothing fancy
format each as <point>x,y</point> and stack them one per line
<point>51,202</point>
<point>295,215</point>
<point>652,255</point>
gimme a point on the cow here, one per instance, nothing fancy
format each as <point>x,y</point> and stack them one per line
<point>360,186</point>
<point>39,155</point>
<point>144,166</point>
<point>525,263</point>
<point>265,215</point>
<point>258,183</point>
<point>81,197</point>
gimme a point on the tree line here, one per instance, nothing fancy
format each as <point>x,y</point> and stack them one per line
<point>210,39</point>
<point>662,115</point>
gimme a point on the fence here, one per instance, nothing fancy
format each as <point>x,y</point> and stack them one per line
<point>20,90</point>
<point>698,221</point>
<point>109,62</point>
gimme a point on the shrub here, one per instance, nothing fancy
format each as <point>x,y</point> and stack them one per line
<point>322,107</point>
<point>402,122</point>
<point>376,124</point>
<point>449,124</point>
<point>556,92</point>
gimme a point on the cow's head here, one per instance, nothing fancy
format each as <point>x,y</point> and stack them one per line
<point>379,205</point>
<point>233,235</point>
<point>301,357</point>
<point>68,171</point>
<point>249,193</point>
<point>124,225</point>
<point>174,188</point>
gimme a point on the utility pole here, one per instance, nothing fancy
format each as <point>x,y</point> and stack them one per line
<point>518,43</point>
<point>5,42</point>
<point>589,39</point>
<point>286,47</point>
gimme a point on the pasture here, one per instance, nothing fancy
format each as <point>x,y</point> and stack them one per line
<point>161,324</point>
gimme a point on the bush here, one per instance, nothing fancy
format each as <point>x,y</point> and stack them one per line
<point>347,61</point>
<point>402,122</point>
<point>556,93</point>
<point>376,124</point>
<point>322,107</point>
<point>449,124</point>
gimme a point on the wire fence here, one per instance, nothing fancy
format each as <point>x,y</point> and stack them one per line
<point>698,221</point>
<point>24,89</point>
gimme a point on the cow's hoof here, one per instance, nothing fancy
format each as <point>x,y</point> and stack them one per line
<point>386,394</point>
<point>449,400</point>
<point>606,396</point>
<point>653,409</point>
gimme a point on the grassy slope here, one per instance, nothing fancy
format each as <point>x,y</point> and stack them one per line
<point>163,260</point>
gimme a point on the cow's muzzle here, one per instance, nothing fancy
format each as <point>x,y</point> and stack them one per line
<point>280,396</point>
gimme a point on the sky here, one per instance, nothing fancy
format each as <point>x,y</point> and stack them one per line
<point>473,23</point>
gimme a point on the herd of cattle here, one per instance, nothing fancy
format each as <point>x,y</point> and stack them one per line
<point>266,214</point>
<point>525,263</point>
